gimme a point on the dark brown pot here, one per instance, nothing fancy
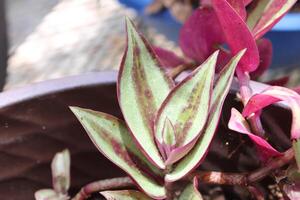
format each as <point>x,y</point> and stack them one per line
<point>35,123</point>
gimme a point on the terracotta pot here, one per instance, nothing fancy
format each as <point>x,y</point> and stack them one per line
<point>35,123</point>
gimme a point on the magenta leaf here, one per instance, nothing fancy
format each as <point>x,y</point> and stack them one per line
<point>265,53</point>
<point>201,34</point>
<point>238,123</point>
<point>272,95</point>
<point>237,34</point>
<point>239,6</point>
<point>167,58</point>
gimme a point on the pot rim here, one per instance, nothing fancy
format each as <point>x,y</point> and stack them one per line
<point>34,90</point>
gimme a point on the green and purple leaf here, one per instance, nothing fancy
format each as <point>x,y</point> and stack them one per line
<point>124,195</point>
<point>191,192</point>
<point>113,139</point>
<point>239,124</point>
<point>187,108</point>
<point>167,58</point>
<point>201,34</point>
<point>271,12</point>
<point>142,87</point>
<point>237,34</point>
<point>197,154</point>
<point>49,194</point>
<point>272,95</point>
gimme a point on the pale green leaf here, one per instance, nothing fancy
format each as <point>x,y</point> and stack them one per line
<point>191,192</point>
<point>112,138</point>
<point>187,106</point>
<point>193,158</point>
<point>142,87</point>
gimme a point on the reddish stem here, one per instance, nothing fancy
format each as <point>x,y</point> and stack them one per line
<point>114,183</point>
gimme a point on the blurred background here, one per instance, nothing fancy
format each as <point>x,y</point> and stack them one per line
<point>46,39</point>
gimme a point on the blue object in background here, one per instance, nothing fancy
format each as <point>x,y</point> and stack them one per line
<point>285,36</point>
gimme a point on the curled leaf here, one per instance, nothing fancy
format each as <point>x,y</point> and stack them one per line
<point>187,108</point>
<point>61,172</point>
<point>113,139</point>
<point>272,95</point>
<point>124,195</point>
<point>238,123</point>
<point>197,154</point>
<point>142,87</point>
<point>237,34</point>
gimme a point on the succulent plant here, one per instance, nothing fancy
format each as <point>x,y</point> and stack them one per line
<point>168,127</point>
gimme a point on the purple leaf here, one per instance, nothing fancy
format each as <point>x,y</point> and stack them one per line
<point>265,53</point>
<point>237,34</point>
<point>239,7</point>
<point>201,34</point>
<point>272,95</point>
<point>167,58</point>
<point>238,123</point>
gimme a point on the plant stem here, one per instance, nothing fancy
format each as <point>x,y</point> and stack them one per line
<point>246,93</point>
<point>114,183</point>
<point>209,177</point>
<point>244,179</point>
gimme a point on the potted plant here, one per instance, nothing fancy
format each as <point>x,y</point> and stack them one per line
<point>167,144</point>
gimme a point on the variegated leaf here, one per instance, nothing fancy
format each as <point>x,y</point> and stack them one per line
<point>238,35</point>
<point>272,11</point>
<point>187,108</point>
<point>197,154</point>
<point>124,195</point>
<point>272,95</point>
<point>112,138</point>
<point>142,87</point>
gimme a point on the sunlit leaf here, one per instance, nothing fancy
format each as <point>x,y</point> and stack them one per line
<point>61,172</point>
<point>271,12</point>
<point>197,154</point>
<point>191,192</point>
<point>272,95</point>
<point>112,138</point>
<point>237,34</point>
<point>142,87</point>
<point>238,123</point>
<point>124,195</point>
<point>201,34</point>
<point>187,108</point>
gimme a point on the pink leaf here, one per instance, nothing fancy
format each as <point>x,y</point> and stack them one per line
<point>265,53</point>
<point>201,34</point>
<point>167,58</point>
<point>238,123</point>
<point>237,34</point>
<point>272,95</point>
<point>239,7</point>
